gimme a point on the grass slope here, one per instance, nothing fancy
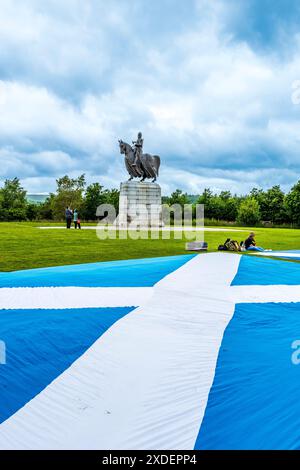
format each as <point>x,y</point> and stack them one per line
<point>24,246</point>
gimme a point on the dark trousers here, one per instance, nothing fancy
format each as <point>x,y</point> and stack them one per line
<point>69,221</point>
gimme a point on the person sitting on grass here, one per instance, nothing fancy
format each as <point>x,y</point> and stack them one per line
<point>250,243</point>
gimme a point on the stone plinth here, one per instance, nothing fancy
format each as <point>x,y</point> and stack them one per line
<point>140,205</point>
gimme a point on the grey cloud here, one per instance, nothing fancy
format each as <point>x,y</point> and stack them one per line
<point>77,75</point>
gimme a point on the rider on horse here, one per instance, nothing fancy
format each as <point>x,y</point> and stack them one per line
<point>138,148</point>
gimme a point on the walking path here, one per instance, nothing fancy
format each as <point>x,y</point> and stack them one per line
<point>163,229</point>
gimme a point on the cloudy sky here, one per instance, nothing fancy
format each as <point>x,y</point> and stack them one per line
<point>208,82</point>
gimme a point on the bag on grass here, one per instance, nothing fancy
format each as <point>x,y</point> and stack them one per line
<point>224,247</point>
<point>233,245</point>
<point>230,245</point>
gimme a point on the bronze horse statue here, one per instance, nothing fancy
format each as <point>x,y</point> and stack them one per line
<point>146,167</point>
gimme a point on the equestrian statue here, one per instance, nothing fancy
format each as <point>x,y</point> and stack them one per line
<point>139,164</point>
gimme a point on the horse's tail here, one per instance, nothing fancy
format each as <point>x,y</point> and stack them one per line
<point>158,164</point>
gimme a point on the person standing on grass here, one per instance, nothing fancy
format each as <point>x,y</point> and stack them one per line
<point>68,215</point>
<point>75,218</point>
<point>79,223</point>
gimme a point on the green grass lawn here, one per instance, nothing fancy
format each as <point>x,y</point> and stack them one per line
<point>24,246</point>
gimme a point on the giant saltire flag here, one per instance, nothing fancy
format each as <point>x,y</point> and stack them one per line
<point>293,255</point>
<point>165,353</point>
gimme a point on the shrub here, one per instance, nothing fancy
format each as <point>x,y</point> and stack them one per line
<point>249,212</point>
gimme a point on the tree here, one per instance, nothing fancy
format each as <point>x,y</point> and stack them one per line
<point>229,206</point>
<point>32,211</point>
<point>94,197</point>
<point>225,195</point>
<point>178,197</point>
<point>221,207</point>
<point>112,197</point>
<point>13,201</point>
<point>292,203</point>
<point>231,209</point>
<point>275,208</point>
<point>249,213</point>
<point>69,193</point>
<point>176,210</point>
<point>46,208</point>
<point>208,200</point>
<point>205,197</point>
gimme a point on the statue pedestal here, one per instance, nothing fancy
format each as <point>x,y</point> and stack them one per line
<point>140,205</point>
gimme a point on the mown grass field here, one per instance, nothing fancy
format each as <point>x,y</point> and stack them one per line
<point>24,245</point>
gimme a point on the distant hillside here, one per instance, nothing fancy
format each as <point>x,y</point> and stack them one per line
<point>36,198</point>
<point>193,198</point>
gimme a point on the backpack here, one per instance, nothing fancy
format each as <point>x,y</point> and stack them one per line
<point>230,245</point>
<point>233,245</point>
<point>224,246</point>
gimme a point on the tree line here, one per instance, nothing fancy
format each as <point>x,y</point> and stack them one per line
<point>70,192</point>
<point>259,206</point>
<point>271,207</point>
